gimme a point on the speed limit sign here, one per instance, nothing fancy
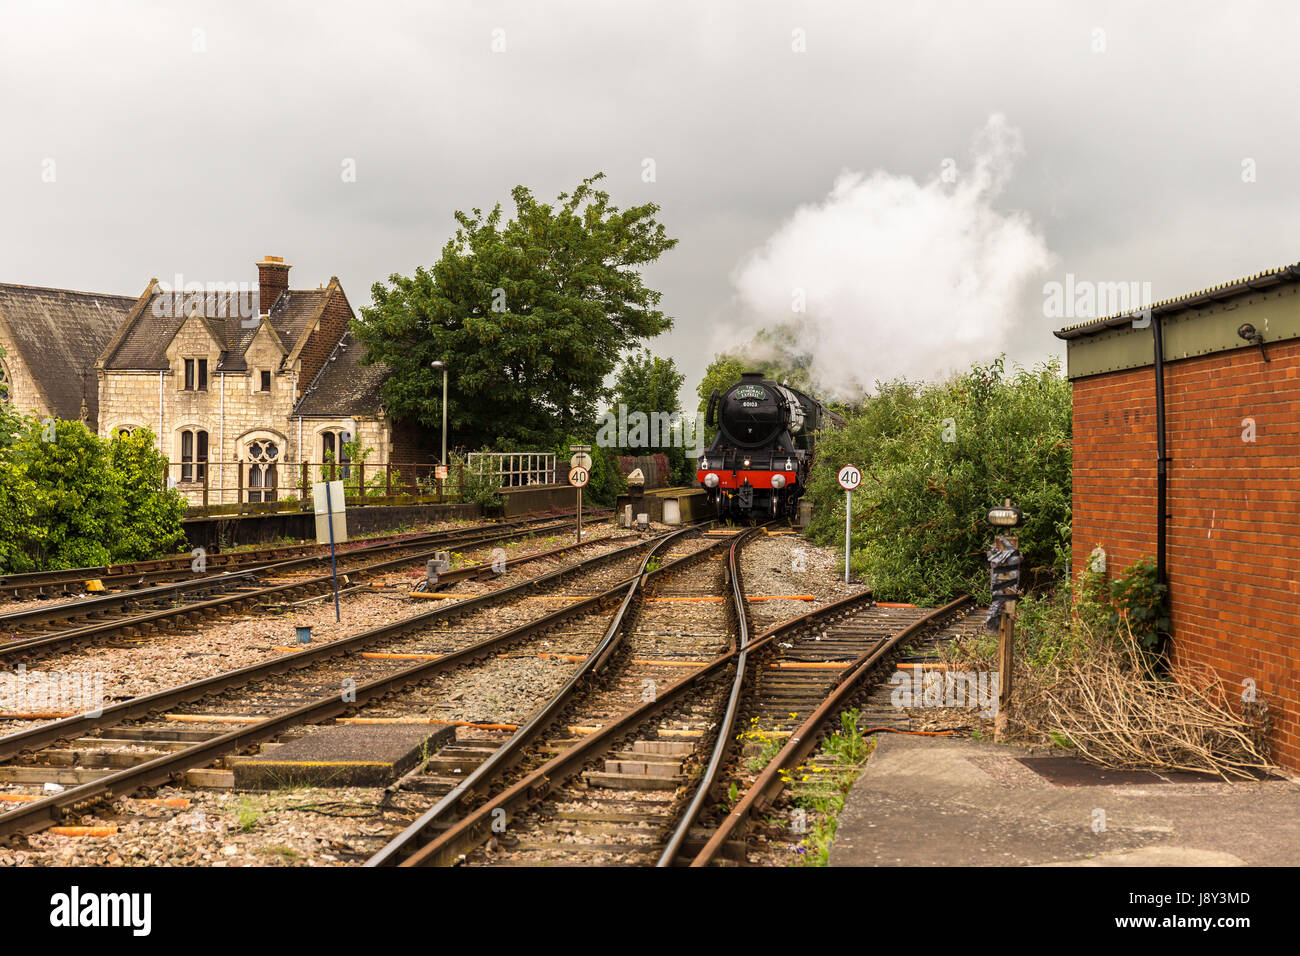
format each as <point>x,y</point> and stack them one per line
<point>578,477</point>
<point>849,478</point>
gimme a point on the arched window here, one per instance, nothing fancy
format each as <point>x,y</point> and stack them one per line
<point>4,382</point>
<point>262,456</point>
<point>194,454</point>
<point>334,448</point>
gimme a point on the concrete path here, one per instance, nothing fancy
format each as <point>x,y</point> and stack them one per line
<point>926,801</point>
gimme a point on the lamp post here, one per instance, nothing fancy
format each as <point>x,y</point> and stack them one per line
<point>443,365</point>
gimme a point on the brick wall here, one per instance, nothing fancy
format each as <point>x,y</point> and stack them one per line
<point>320,343</point>
<point>1233,558</point>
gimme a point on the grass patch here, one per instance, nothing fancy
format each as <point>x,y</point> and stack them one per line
<point>818,788</point>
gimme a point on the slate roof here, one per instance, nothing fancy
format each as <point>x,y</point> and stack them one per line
<point>344,386</point>
<point>59,334</point>
<point>143,342</point>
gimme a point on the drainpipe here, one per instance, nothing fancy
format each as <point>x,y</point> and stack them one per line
<point>1162,459</point>
<point>160,410</point>
<point>221,441</point>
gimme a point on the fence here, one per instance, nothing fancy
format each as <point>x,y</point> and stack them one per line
<point>253,487</point>
<point>511,469</point>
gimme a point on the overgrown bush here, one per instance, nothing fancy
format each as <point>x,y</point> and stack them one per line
<point>935,458</point>
<point>71,499</point>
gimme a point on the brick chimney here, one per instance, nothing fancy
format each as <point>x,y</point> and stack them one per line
<point>272,278</point>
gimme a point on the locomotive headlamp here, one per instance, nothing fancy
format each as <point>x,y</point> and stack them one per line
<point>778,482</point>
<point>746,462</point>
<point>704,463</point>
<point>1005,517</point>
<point>710,480</point>
<point>789,465</point>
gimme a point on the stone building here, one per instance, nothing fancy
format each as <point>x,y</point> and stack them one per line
<point>240,383</point>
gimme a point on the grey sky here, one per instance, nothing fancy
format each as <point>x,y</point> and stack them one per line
<point>169,160</point>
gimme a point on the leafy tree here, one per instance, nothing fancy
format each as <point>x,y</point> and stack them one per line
<point>530,314</point>
<point>151,513</point>
<point>935,458</point>
<point>648,384</point>
<point>70,499</point>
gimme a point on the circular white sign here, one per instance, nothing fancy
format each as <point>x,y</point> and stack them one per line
<point>850,477</point>
<point>578,477</point>
<point>581,460</point>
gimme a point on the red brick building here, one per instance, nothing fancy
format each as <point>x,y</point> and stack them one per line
<point>1231,377</point>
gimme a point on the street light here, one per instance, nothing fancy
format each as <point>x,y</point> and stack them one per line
<point>443,365</point>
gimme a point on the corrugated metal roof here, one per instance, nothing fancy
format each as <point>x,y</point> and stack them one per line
<point>1191,300</point>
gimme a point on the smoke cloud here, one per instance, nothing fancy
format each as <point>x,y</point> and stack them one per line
<point>888,277</point>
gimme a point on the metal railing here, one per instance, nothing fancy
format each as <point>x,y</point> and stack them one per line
<point>257,487</point>
<point>511,469</point>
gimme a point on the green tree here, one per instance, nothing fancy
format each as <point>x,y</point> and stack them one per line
<point>70,499</point>
<point>935,458</point>
<point>530,315</point>
<point>150,522</point>
<point>648,384</point>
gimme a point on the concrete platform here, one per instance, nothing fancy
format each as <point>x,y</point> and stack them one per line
<point>926,801</point>
<point>351,755</point>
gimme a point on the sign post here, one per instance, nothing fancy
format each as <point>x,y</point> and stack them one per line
<point>578,477</point>
<point>1004,568</point>
<point>849,478</point>
<point>331,525</point>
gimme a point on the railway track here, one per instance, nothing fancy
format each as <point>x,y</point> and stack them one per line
<point>650,654</point>
<point>86,752</point>
<point>133,575</point>
<point>628,782</point>
<point>34,632</point>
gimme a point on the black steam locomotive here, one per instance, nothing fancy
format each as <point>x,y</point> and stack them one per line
<point>757,466</point>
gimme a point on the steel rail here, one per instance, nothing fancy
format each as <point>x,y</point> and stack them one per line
<point>39,814</point>
<point>417,834</point>
<point>129,573</point>
<point>37,737</point>
<point>466,833</point>
<point>84,607</point>
<point>723,742</point>
<point>40,644</point>
<point>769,782</point>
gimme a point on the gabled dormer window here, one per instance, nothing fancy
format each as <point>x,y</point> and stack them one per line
<point>196,375</point>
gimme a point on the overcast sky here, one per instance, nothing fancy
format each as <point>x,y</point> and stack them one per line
<point>913,172</point>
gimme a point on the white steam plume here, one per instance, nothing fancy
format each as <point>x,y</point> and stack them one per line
<point>900,278</point>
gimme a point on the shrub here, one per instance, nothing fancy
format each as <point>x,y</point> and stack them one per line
<point>935,458</point>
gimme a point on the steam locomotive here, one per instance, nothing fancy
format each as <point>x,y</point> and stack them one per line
<point>758,464</point>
